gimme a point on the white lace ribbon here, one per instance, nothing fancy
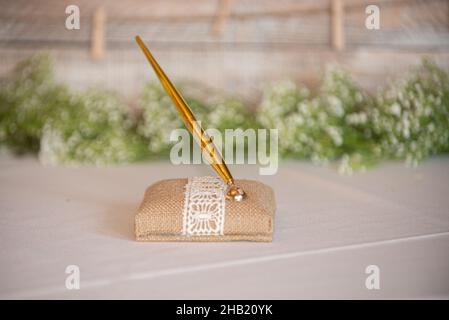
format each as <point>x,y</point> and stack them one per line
<point>204,207</point>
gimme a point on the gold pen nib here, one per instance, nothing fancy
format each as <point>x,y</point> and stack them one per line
<point>235,193</point>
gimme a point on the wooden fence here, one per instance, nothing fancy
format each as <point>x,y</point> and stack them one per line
<point>235,46</point>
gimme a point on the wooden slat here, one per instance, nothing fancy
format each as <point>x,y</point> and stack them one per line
<point>410,23</point>
<point>337,25</point>
<point>98,33</point>
<point>254,47</point>
<point>223,12</point>
<point>243,73</point>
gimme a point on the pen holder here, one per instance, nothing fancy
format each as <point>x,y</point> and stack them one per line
<point>196,209</point>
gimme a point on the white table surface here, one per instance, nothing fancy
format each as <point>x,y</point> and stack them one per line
<point>328,229</point>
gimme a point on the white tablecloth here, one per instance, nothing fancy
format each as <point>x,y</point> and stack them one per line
<point>328,229</point>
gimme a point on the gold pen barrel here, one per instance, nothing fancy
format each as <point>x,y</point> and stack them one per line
<point>206,143</point>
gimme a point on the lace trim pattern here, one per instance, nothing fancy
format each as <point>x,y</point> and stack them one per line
<point>204,207</point>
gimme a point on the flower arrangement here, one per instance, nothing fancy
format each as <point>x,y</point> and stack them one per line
<point>40,116</point>
<point>408,120</point>
<point>333,124</point>
<point>159,117</point>
<point>95,128</point>
<point>411,118</point>
<point>27,99</point>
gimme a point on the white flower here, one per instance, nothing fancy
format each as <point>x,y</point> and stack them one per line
<point>336,106</point>
<point>335,135</point>
<point>395,109</point>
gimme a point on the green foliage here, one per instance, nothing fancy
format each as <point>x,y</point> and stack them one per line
<point>27,100</point>
<point>95,129</point>
<point>408,120</point>
<point>333,124</point>
<point>229,113</point>
<point>411,118</point>
<point>38,115</point>
<point>159,117</point>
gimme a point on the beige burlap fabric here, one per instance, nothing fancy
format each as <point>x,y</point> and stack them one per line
<point>160,217</point>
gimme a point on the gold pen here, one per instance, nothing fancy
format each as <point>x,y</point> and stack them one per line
<point>206,143</point>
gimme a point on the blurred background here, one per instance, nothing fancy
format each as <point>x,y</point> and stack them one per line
<point>232,45</point>
<point>273,57</point>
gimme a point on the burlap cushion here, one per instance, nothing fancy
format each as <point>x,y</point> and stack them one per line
<point>160,218</point>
